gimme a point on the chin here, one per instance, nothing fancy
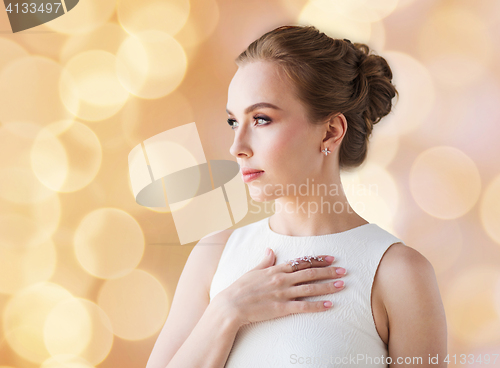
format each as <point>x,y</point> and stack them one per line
<point>256,194</point>
<point>259,196</point>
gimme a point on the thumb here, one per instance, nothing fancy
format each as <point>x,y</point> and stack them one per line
<point>268,260</point>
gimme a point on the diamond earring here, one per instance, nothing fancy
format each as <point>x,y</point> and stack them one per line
<point>326,151</point>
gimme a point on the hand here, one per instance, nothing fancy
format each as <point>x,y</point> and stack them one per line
<point>268,291</point>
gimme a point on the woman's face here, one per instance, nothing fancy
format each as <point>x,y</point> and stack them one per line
<point>280,140</point>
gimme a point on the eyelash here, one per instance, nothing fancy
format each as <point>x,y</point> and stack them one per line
<point>232,121</point>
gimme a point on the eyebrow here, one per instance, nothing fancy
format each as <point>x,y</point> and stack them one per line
<point>257,106</point>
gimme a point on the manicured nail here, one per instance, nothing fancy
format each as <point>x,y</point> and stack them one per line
<point>341,271</point>
<point>327,304</point>
<point>338,283</point>
<point>329,258</point>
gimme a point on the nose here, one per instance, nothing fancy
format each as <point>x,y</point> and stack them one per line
<point>240,146</point>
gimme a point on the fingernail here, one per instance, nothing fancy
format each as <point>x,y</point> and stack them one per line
<point>327,304</point>
<point>341,271</point>
<point>268,251</point>
<point>338,283</point>
<point>329,258</point>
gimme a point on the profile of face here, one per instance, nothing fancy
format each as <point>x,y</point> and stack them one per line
<point>275,136</point>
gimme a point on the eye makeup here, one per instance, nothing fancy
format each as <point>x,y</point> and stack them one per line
<point>232,122</point>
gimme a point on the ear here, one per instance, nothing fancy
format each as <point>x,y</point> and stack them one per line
<point>335,131</point>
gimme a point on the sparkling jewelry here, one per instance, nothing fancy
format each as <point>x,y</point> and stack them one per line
<point>326,151</point>
<point>295,262</point>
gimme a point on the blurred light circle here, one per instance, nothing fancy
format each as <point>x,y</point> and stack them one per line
<point>18,183</point>
<point>69,272</point>
<point>360,10</point>
<point>414,83</point>
<point>66,156</point>
<point>383,146</point>
<point>24,318</point>
<point>441,242</point>
<point>445,182</point>
<point>151,64</point>
<point>455,45</point>
<point>146,15</point>
<point>373,192</point>
<point>24,266</point>
<point>10,51</point>
<point>20,232</point>
<point>91,78</point>
<point>325,16</point>
<point>470,306</point>
<point>29,91</point>
<point>47,214</point>
<point>67,328</point>
<point>136,304</point>
<point>490,209</point>
<point>80,327</point>
<point>84,17</point>
<point>142,119</point>
<point>201,23</point>
<point>108,38</point>
<point>479,103</point>
<point>66,361</point>
<point>109,243</point>
<point>378,37</point>
<point>41,41</point>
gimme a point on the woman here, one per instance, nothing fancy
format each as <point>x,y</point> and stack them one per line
<point>303,106</point>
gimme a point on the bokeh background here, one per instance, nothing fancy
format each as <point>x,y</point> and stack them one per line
<point>87,275</point>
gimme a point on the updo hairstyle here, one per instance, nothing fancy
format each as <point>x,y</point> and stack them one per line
<point>331,76</point>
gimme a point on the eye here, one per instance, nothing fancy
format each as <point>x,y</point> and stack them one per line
<point>266,120</point>
<point>231,123</point>
<point>263,121</point>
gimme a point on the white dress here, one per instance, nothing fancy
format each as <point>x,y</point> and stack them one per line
<point>343,336</point>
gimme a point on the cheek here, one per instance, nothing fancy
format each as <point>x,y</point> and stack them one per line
<point>288,152</point>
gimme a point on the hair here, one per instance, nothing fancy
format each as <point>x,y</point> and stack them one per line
<point>331,76</point>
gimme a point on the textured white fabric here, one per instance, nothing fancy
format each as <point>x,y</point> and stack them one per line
<point>343,336</point>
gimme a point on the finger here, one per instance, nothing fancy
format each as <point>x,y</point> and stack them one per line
<point>315,273</point>
<point>267,260</point>
<point>315,289</point>
<point>308,307</point>
<point>301,263</point>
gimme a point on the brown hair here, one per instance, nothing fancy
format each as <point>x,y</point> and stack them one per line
<point>331,76</point>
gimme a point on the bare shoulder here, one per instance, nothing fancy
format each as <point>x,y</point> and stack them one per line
<point>191,297</point>
<point>401,255</point>
<point>401,265</point>
<point>411,297</point>
<point>207,252</point>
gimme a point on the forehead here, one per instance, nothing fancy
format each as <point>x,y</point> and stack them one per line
<point>259,81</point>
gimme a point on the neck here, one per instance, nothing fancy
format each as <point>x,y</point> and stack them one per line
<point>314,209</point>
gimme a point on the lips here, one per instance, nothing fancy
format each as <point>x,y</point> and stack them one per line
<point>247,178</point>
<point>246,170</point>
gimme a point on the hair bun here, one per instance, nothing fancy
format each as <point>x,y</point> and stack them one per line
<point>374,71</point>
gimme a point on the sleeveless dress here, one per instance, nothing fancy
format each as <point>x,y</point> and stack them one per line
<point>344,335</point>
